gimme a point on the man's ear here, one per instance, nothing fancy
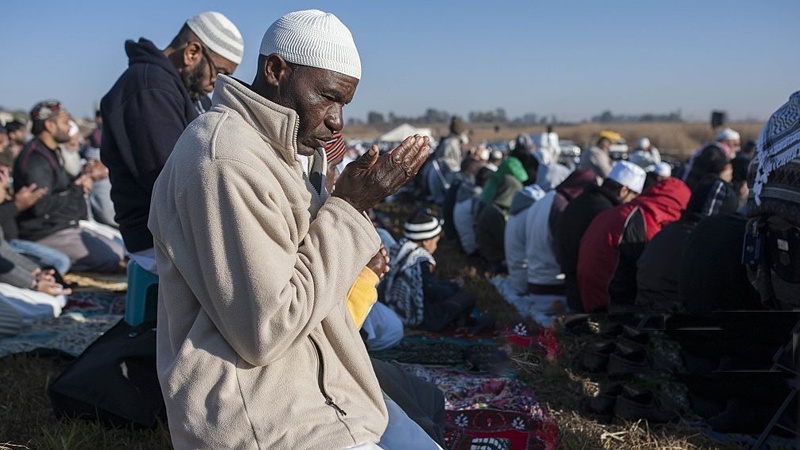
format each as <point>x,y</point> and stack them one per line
<point>50,126</point>
<point>624,193</point>
<point>274,69</point>
<point>192,53</point>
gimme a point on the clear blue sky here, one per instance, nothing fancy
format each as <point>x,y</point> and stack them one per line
<point>572,59</point>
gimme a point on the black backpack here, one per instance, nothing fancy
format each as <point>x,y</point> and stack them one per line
<point>114,380</point>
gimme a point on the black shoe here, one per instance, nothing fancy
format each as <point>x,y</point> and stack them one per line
<point>577,324</point>
<point>595,356</point>
<point>634,404</point>
<point>628,332</point>
<point>629,357</point>
<point>601,407</point>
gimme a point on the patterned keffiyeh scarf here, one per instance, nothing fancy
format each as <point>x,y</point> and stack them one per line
<point>778,145</point>
<point>403,284</point>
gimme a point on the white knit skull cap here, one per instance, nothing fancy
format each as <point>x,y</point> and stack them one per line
<point>219,34</point>
<point>313,38</point>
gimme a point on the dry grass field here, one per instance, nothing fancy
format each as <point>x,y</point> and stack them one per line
<point>27,422</point>
<point>675,139</point>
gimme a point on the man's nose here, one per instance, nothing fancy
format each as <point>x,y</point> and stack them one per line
<point>333,119</point>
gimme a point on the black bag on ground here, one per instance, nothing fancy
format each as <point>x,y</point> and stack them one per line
<point>113,380</point>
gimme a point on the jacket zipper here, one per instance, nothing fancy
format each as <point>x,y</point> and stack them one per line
<point>320,378</point>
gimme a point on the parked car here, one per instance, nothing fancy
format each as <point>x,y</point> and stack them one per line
<point>569,149</point>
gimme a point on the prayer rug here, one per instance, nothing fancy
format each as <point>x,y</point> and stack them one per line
<point>485,411</point>
<point>86,316</point>
<point>499,430</point>
<point>463,352</point>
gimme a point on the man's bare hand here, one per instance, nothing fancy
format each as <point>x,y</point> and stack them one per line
<point>52,288</point>
<point>369,179</point>
<point>46,282</point>
<point>96,169</point>
<point>380,262</point>
<point>27,196</point>
<point>85,182</point>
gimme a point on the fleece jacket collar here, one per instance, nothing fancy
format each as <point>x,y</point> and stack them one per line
<point>276,124</point>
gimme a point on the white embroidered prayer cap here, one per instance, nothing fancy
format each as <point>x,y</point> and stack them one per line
<point>629,175</point>
<point>313,38</point>
<point>728,134</point>
<point>219,34</point>
<point>663,169</point>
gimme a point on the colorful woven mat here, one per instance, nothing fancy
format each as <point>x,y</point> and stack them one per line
<point>86,316</point>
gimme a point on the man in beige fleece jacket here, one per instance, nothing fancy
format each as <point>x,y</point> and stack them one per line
<point>256,347</point>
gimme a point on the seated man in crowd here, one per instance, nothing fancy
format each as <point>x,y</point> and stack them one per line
<point>17,137</point>
<point>623,184</point>
<point>467,204</point>
<point>490,223</point>
<point>660,262</point>
<point>27,289</point>
<point>11,205</point>
<point>54,219</point>
<point>598,156</point>
<point>514,239</point>
<point>412,291</point>
<point>491,212</point>
<point>545,282</point>
<point>256,347</point>
<point>615,239</point>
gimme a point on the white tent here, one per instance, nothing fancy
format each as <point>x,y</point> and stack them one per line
<point>403,131</point>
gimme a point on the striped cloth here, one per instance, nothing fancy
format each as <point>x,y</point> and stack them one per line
<point>335,148</point>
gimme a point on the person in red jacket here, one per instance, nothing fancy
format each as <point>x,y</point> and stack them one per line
<point>615,239</point>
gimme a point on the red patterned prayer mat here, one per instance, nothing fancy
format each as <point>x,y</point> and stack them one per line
<point>487,429</point>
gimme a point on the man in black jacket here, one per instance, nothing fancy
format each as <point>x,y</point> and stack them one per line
<point>53,219</point>
<point>148,108</point>
<point>623,184</point>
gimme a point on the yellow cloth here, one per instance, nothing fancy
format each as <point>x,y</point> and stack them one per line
<point>362,296</point>
<point>611,136</point>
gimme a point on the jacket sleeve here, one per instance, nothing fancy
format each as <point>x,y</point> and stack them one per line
<point>597,260</point>
<point>8,211</point>
<point>622,288</point>
<point>435,290</point>
<point>516,169</point>
<point>721,198</point>
<point>68,203</point>
<point>232,240</point>
<point>15,269</point>
<point>362,295</point>
<point>154,119</point>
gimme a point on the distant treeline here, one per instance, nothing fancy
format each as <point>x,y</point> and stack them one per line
<point>499,116</point>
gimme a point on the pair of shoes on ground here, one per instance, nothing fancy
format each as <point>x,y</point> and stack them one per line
<point>624,351</point>
<point>627,403</point>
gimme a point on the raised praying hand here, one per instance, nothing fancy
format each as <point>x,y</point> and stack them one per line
<point>27,196</point>
<point>371,178</point>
